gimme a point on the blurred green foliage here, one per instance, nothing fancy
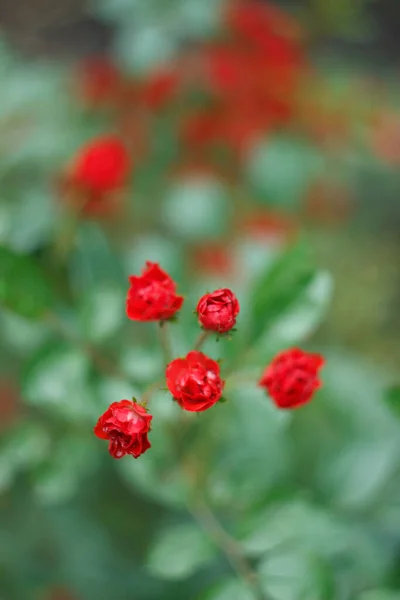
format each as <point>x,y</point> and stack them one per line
<point>311,498</point>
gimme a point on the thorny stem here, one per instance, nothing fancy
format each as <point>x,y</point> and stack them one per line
<point>229,546</point>
<point>201,339</point>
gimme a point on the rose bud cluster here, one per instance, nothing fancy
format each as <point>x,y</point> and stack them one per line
<point>125,425</point>
<point>152,295</point>
<point>292,377</point>
<point>218,311</point>
<point>194,380</point>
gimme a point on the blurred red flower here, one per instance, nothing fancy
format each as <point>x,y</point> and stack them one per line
<point>292,377</point>
<point>266,225</point>
<point>101,166</point>
<point>214,258</point>
<point>159,88</point>
<point>98,82</point>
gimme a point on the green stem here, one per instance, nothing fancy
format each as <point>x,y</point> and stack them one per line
<point>201,339</point>
<point>165,342</point>
<point>203,514</point>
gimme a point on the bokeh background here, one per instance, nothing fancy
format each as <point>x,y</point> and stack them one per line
<point>265,148</point>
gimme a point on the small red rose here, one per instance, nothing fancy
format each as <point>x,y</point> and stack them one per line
<point>195,381</point>
<point>218,311</point>
<point>101,166</point>
<point>152,295</point>
<point>292,377</point>
<point>126,425</point>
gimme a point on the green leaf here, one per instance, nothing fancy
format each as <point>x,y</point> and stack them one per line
<point>301,317</point>
<point>232,589</point>
<point>23,286</point>
<point>278,288</point>
<point>56,379</point>
<point>22,447</point>
<point>179,552</point>
<point>296,576</point>
<point>392,399</point>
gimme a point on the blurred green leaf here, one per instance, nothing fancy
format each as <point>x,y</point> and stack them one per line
<point>282,168</point>
<point>140,49</point>
<point>22,335</point>
<point>357,475</point>
<point>23,287</point>
<point>232,589</point>
<point>31,219</point>
<point>142,363</point>
<point>296,524</point>
<point>197,208</point>
<point>57,478</point>
<point>179,552</point>
<point>379,595</point>
<point>392,399</point>
<point>296,576</point>
<point>155,248</point>
<point>57,379</point>
<point>301,317</point>
<point>24,446</point>
<point>278,288</point>
<point>250,416</point>
<point>93,260</point>
<point>102,312</point>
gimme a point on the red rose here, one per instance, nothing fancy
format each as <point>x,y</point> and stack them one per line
<point>126,425</point>
<point>218,311</point>
<point>101,166</point>
<point>195,381</point>
<point>292,377</point>
<point>152,295</point>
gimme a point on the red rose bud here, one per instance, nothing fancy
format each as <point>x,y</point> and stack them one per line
<point>126,425</point>
<point>152,295</point>
<point>292,377</point>
<point>218,311</point>
<point>101,166</point>
<point>195,381</point>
